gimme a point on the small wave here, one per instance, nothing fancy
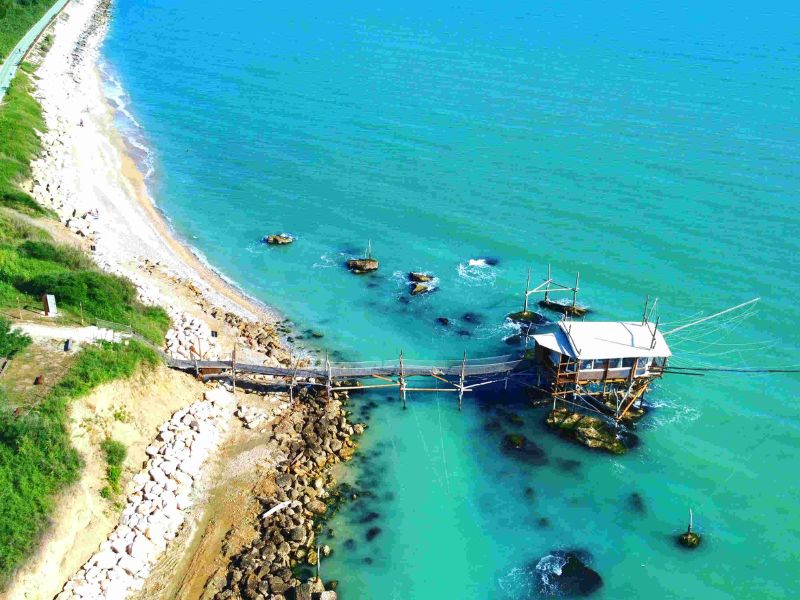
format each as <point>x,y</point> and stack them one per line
<point>129,127</point>
<point>477,272</point>
<point>518,583</point>
<point>326,262</point>
<point>546,567</point>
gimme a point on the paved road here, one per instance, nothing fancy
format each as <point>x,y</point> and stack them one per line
<point>9,68</point>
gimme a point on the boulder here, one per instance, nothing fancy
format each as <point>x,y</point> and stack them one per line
<point>689,539</point>
<point>419,288</point>
<point>278,239</point>
<point>566,574</point>
<point>590,431</point>
<point>419,277</point>
<point>362,265</point>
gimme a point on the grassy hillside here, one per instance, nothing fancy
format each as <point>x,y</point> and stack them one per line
<point>17,17</point>
<point>37,459</point>
<point>20,118</point>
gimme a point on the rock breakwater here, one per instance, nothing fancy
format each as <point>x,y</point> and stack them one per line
<point>160,495</point>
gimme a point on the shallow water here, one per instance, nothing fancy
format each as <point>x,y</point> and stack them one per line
<point>654,148</point>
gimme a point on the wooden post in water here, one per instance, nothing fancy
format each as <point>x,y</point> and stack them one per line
<point>644,312</point>
<point>319,554</point>
<point>402,381</point>
<point>575,291</point>
<point>527,288</point>
<point>547,286</point>
<point>461,379</point>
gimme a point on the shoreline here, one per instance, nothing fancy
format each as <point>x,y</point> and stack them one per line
<point>87,175</point>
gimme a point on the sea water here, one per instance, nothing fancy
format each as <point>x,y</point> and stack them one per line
<point>651,146</point>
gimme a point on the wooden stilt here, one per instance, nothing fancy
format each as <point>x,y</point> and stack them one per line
<point>402,381</point>
<point>233,368</point>
<point>547,288</point>
<point>527,291</point>
<point>461,378</point>
<point>328,378</point>
<point>575,291</point>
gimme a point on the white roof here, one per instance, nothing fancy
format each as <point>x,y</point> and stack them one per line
<point>602,339</point>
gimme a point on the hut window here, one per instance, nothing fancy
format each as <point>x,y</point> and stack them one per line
<point>586,365</point>
<point>627,363</point>
<point>614,363</point>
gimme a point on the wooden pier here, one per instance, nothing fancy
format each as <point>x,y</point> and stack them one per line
<point>459,376</point>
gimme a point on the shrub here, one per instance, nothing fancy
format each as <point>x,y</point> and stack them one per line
<point>72,258</point>
<point>11,342</point>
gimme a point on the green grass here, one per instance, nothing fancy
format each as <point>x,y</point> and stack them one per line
<point>11,342</point>
<point>37,459</point>
<point>32,265</point>
<point>20,118</point>
<point>115,457</point>
<point>16,18</point>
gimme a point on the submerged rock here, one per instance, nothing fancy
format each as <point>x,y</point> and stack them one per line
<point>362,265</point>
<point>523,449</point>
<point>528,317</point>
<point>372,533</point>
<point>636,502</point>
<point>471,317</point>
<point>590,431</point>
<point>565,573</point>
<point>444,321</point>
<point>279,239</point>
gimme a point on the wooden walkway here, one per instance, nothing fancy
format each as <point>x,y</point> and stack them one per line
<point>391,373</point>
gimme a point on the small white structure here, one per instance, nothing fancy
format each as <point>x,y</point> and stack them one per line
<point>602,350</point>
<point>49,303</point>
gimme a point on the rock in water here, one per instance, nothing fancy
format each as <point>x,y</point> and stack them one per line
<point>444,321</point>
<point>279,239</point>
<point>419,288</point>
<point>362,265</point>
<point>523,449</point>
<point>420,277</point>
<point>564,573</point>
<point>527,317</point>
<point>590,431</point>
<point>689,540</point>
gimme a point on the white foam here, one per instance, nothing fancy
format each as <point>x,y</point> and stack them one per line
<point>476,272</point>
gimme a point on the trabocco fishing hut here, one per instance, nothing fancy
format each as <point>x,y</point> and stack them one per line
<point>610,363</point>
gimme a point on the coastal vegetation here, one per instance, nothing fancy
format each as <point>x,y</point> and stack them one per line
<point>115,453</point>
<point>16,18</point>
<point>20,119</point>
<point>11,342</point>
<point>37,459</point>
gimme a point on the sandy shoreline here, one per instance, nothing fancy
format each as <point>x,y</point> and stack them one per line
<point>87,176</point>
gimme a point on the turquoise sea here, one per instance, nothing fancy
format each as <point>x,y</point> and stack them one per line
<point>654,147</point>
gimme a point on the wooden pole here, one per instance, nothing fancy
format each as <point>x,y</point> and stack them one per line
<point>19,308</point>
<point>402,381</point>
<point>328,382</point>
<point>690,521</point>
<point>319,548</point>
<point>233,368</point>
<point>81,305</point>
<point>653,341</point>
<point>644,312</point>
<point>547,287</point>
<point>461,379</point>
<point>527,287</point>
<point>575,290</point>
